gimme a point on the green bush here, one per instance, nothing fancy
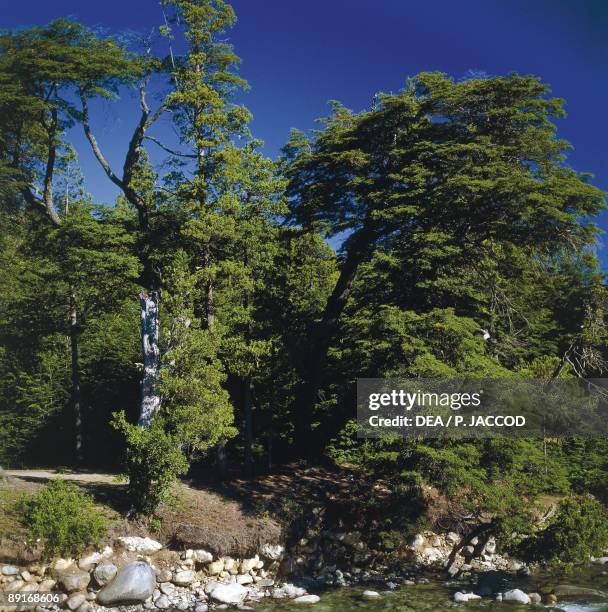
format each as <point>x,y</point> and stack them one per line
<point>578,530</point>
<point>63,518</point>
<point>153,462</point>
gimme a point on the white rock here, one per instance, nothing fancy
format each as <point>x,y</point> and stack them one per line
<point>516,595</point>
<point>30,587</point>
<point>162,602</point>
<point>74,581</point>
<point>307,599</point>
<point>167,588</point>
<point>13,586</point>
<point>490,547</point>
<point>432,554</point>
<point>47,585</point>
<point>26,575</point>
<point>248,564</point>
<point>453,538</point>
<point>244,579</point>
<point>202,556</point>
<point>215,567</point>
<point>274,552</point>
<point>144,546</point>
<point>86,563</point>
<point>599,560</point>
<point>10,570</point>
<point>104,572</point>
<point>464,597</point>
<point>75,601</point>
<point>293,591</point>
<point>229,593</point>
<point>108,551</point>
<point>184,578</point>
<point>418,541</point>
<point>370,595</point>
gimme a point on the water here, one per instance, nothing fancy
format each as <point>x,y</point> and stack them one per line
<point>436,596</point>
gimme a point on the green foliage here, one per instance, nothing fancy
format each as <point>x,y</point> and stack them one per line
<point>153,462</point>
<point>578,530</point>
<point>63,518</point>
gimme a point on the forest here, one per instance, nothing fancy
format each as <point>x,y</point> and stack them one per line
<point>203,325</point>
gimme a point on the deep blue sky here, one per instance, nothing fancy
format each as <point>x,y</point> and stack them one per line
<point>298,54</point>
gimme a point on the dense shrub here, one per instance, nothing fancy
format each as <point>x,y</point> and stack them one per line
<point>63,518</point>
<point>153,462</point>
<point>578,530</point>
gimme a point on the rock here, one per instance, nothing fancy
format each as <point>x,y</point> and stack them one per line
<point>74,581</point>
<point>162,602</point>
<point>431,554</point>
<point>134,583</point>
<point>61,565</point>
<point>164,576</point>
<point>10,570</point>
<point>490,547</point>
<point>11,587</point>
<point>452,538</point>
<point>517,596</point>
<point>202,556</point>
<point>75,601</point>
<point>215,567</point>
<point>144,546</point>
<point>48,584</point>
<point>167,588</point>
<point>514,565</point>
<point>26,575</point>
<point>107,552</point>
<point>184,578</point>
<point>104,572</point>
<point>230,564</point>
<point>370,595</point>
<point>201,607</point>
<point>30,587</point>
<point>274,552</point>
<point>535,598</point>
<point>86,563</point>
<point>244,579</point>
<point>229,593</point>
<point>307,599</point>
<point>468,551</point>
<point>569,590</point>
<point>418,541</point>
<point>265,582</point>
<point>464,597</point>
<point>551,599</point>
<point>293,591</point>
<point>248,564</point>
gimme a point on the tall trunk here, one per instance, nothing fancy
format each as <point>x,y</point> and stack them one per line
<point>248,429</point>
<point>76,394</point>
<point>150,397</point>
<point>323,333</point>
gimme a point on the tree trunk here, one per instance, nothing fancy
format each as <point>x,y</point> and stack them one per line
<point>322,335</point>
<point>222,461</point>
<point>150,397</point>
<point>76,394</point>
<point>248,429</point>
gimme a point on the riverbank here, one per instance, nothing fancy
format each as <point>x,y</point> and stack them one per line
<point>210,549</point>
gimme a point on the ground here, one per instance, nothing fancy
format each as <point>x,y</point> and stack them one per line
<point>232,518</point>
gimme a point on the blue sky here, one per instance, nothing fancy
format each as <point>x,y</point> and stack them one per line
<point>298,54</point>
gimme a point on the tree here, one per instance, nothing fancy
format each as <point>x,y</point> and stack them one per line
<point>476,160</point>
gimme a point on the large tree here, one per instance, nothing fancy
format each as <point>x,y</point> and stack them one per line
<point>475,161</point>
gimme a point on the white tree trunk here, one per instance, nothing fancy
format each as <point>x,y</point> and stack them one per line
<point>150,397</point>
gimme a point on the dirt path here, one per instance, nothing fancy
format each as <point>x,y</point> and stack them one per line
<point>86,477</point>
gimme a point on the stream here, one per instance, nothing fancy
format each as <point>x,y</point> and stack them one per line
<point>437,595</point>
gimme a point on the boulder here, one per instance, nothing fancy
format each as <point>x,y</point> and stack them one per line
<point>104,572</point>
<point>244,579</point>
<point>74,581</point>
<point>13,586</point>
<point>215,567</point>
<point>293,591</point>
<point>144,546</point>
<point>162,602</point>
<point>307,599</point>
<point>134,583</point>
<point>516,596</point>
<point>370,595</point>
<point>10,570</point>
<point>535,598</point>
<point>60,565</point>
<point>232,594</point>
